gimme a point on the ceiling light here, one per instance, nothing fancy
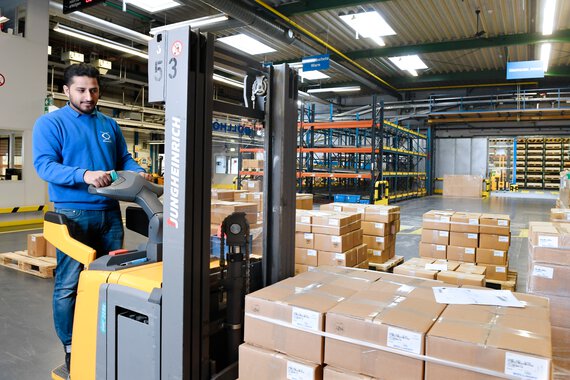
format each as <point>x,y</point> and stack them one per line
<point>368,24</point>
<point>334,89</point>
<point>548,17</point>
<point>99,40</point>
<point>408,62</point>
<point>194,23</point>
<point>413,72</point>
<point>247,44</point>
<point>228,81</point>
<point>4,19</point>
<point>313,75</point>
<point>545,55</point>
<point>153,6</point>
<point>378,40</point>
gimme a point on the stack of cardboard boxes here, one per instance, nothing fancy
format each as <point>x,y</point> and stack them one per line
<point>38,246</point>
<point>549,276</point>
<point>378,325</point>
<point>483,239</point>
<point>328,238</point>
<point>451,272</point>
<point>380,225</point>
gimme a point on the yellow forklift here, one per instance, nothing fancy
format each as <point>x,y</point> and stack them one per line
<point>162,311</point>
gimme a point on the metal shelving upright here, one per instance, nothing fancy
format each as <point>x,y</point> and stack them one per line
<point>540,161</point>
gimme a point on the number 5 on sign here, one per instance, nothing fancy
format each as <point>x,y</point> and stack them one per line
<point>156,58</point>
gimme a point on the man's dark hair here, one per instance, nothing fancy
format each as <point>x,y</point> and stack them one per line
<point>79,70</point>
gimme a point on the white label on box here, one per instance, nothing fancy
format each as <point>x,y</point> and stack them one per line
<point>380,239</point>
<point>471,236</point>
<point>470,251</point>
<point>499,253</point>
<point>334,222</point>
<point>298,371</point>
<point>378,226</point>
<point>335,239</point>
<point>311,252</point>
<point>243,196</point>
<point>33,238</point>
<point>548,241</point>
<point>337,208</point>
<point>503,239</point>
<point>382,212</point>
<point>305,219</point>
<point>544,272</point>
<point>308,236</point>
<point>256,196</point>
<point>404,340</point>
<point>474,221</point>
<point>526,367</point>
<point>445,219</point>
<point>377,253</point>
<point>444,233</point>
<point>436,267</point>
<point>339,256</point>
<point>500,269</point>
<point>304,318</point>
<point>440,247</point>
<point>251,184</point>
<point>568,216</point>
<point>502,222</point>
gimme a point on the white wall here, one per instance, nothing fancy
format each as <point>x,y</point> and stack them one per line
<point>23,63</point>
<point>461,156</point>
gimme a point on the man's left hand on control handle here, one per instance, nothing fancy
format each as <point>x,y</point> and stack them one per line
<point>146,176</point>
<point>97,178</point>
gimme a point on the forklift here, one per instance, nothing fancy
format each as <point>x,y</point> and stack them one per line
<point>162,311</point>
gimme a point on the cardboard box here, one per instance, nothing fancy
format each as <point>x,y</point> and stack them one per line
<point>559,310</point>
<point>560,215</point>
<point>492,256</point>
<point>361,252</point>
<point>225,194</point>
<point>363,277</point>
<point>334,243</point>
<point>435,236</point>
<point>461,278</point>
<point>331,373</point>
<point>379,242</point>
<point>363,265</point>
<point>306,256</point>
<point>222,209</point>
<point>498,242</point>
<point>380,256</point>
<point>302,268</point>
<point>498,224</point>
<point>336,223</point>
<point>464,254</point>
<point>341,207</point>
<point>561,342</point>
<point>489,337</point>
<point>464,239</point>
<point>551,279</point>
<point>303,221</point>
<point>382,214</point>
<point>344,259</point>
<point>415,271</point>
<point>50,250</point>
<point>257,198</point>
<point>252,164</point>
<point>450,265</point>
<point>465,222</point>
<point>240,195</point>
<point>437,251</point>
<point>380,229</point>
<point>304,240</point>
<point>257,363</point>
<point>304,201</point>
<point>437,220</point>
<point>390,313</point>
<point>496,272</point>
<point>552,236</point>
<point>419,261</point>
<point>252,185</point>
<point>301,301</point>
<point>36,245</point>
<point>462,186</point>
<point>560,256</point>
<point>471,268</point>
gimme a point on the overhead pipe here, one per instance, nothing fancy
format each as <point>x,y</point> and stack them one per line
<point>272,30</point>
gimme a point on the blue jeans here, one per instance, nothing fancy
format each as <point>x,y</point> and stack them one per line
<point>101,230</point>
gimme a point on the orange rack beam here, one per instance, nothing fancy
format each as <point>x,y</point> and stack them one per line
<point>336,124</point>
<point>335,175</point>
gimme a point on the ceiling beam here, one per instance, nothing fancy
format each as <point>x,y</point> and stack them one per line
<point>304,7</point>
<point>562,36</point>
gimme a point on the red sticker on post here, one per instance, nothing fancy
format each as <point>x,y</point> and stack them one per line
<point>2,80</point>
<point>176,48</point>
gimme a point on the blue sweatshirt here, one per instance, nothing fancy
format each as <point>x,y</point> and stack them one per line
<point>66,144</point>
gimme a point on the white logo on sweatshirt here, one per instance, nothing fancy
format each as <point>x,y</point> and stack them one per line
<point>106,136</point>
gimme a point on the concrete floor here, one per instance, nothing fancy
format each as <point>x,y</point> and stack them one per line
<point>29,348</point>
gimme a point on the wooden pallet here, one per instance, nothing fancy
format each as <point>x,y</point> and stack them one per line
<point>510,284</point>
<point>38,266</point>
<point>388,265</point>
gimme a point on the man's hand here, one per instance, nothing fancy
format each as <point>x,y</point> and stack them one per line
<point>146,176</point>
<point>97,178</point>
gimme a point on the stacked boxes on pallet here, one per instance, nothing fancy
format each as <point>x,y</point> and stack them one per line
<point>380,225</point>
<point>466,237</point>
<point>549,275</point>
<point>328,238</point>
<point>343,323</point>
<point>38,246</point>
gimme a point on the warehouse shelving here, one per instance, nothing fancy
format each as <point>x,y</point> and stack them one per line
<point>348,157</point>
<point>540,161</point>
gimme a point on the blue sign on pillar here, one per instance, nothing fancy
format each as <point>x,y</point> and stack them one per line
<point>525,69</point>
<point>316,62</point>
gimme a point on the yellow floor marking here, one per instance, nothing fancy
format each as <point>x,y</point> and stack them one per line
<point>523,233</point>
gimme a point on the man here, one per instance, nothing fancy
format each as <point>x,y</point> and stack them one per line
<point>74,147</point>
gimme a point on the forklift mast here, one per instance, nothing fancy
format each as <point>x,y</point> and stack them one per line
<point>181,65</point>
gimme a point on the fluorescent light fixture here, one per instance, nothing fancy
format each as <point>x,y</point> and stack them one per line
<point>194,23</point>
<point>334,89</point>
<point>545,55</point>
<point>313,75</point>
<point>247,44</point>
<point>368,24</point>
<point>99,40</point>
<point>4,19</point>
<point>548,17</point>
<point>153,6</point>
<point>408,62</point>
<point>228,81</point>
